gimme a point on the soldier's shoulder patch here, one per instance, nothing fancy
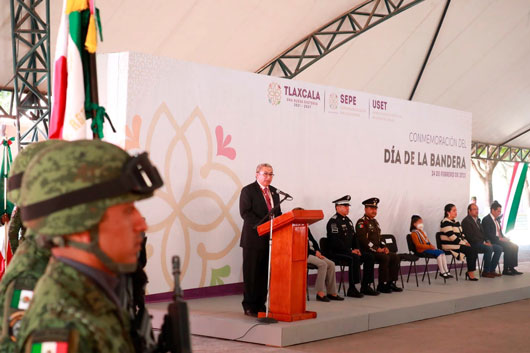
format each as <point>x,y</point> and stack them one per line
<point>334,217</point>
<point>360,224</point>
<point>21,298</point>
<point>60,340</point>
<point>334,228</point>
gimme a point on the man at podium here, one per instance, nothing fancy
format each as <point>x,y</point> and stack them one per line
<point>255,202</point>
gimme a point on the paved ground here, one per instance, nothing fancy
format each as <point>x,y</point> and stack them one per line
<point>496,329</point>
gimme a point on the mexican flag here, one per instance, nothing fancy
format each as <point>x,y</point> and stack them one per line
<point>21,299</point>
<point>49,347</point>
<point>513,200</point>
<point>77,38</point>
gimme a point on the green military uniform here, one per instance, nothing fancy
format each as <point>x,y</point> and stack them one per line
<point>66,190</point>
<point>23,272</point>
<point>369,235</point>
<point>29,260</point>
<point>70,304</point>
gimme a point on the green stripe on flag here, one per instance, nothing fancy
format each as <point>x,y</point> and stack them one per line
<point>15,299</point>
<point>36,347</point>
<point>510,224</point>
<point>76,30</point>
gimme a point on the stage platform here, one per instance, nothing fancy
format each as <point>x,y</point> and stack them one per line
<point>222,317</point>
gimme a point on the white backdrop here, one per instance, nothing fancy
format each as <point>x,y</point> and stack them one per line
<point>206,128</point>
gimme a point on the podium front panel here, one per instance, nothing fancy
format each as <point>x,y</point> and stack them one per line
<point>288,270</point>
<point>300,242</point>
<point>289,264</point>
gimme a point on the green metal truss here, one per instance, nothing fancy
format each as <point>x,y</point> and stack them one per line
<point>501,153</point>
<point>31,66</point>
<point>332,35</point>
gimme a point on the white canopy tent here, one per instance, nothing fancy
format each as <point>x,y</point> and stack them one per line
<point>478,63</point>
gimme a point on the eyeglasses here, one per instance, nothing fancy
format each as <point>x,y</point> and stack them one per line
<point>267,174</point>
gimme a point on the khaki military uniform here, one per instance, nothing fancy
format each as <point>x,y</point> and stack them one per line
<point>70,309</point>
<point>369,235</point>
<point>16,289</point>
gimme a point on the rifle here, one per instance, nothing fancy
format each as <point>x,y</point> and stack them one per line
<point>175,333</point>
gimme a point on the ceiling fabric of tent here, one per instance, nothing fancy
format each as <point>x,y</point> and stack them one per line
<point>479,62</point>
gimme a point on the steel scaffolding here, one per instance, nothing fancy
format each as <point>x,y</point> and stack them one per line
<point>332,35</point>
<point>31,67</point>
<point>501,153</point>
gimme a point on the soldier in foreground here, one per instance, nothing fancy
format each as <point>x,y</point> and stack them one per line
<point>79,199</point>
<point>28,263</point>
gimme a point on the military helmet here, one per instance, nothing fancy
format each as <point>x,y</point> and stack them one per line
<point>20,164</point>
<point>67,188</point>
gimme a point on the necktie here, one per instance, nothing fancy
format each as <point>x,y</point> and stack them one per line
<point>267,198</point>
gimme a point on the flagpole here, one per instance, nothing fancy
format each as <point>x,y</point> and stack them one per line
<point>4,179</point>
<point>94,97</point>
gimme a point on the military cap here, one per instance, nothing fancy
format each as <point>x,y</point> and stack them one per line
<point>343,201</point>
<point>372,202</point>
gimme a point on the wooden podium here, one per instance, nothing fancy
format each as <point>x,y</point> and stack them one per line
<point>287,292</point>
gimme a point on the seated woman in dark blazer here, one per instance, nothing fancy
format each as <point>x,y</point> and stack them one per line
<point>454,240</point>
<point>424,246</point>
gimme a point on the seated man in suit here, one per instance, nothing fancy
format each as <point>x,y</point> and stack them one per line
<point>344,246</point>
<point>255,202</point>
<point>473,231</point>
<point>493,232</point>
<point>369,235</point>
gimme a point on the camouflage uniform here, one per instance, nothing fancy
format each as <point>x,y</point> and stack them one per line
<point>16,229</point>
<point>74,304</point>
<point>29,261</point>
<point>24,270</point>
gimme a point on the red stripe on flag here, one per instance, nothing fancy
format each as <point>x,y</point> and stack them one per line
<point>59,98</point>
<point>2,265</point>
<point>9,253</point>
<point>62,347</point>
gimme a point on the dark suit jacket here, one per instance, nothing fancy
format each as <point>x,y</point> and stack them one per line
<point>313,242</point>
<point>472,230</point>
<point>253,208</point>
<point>489,229</point>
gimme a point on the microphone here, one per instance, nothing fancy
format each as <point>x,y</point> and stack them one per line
<point>279,192</point>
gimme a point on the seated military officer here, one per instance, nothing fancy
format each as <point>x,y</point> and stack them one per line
<point>369,235</point>
<point>345,247</point>
<point>79,199</point>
